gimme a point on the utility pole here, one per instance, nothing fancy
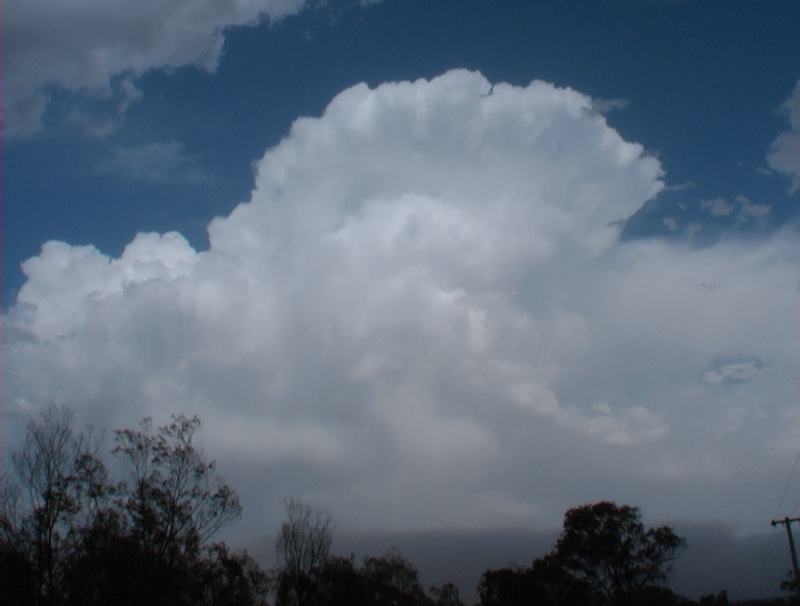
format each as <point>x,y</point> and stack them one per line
<point>787,522</point>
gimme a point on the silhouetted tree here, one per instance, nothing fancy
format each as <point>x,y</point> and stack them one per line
<point>510,587</point>
<point>604,556</point>
<point>607,547</point>
<point>18,578</point>
<point>338,582</point>
<point>446,595</point>
<point>229,579</point>
<point>388,580</point>
<point>174,499</point>
<point>302,550</point>
<point>392,580</point>
<point>58,487</point>
<point>70,536</point>
<point>559,586</point>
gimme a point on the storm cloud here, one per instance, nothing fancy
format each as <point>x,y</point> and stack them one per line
<point>423,317</point>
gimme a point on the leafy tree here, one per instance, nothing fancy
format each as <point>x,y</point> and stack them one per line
<point>608,548</point>
<point>173,497</point>
<point>604,556</point>
<point>70,536</point>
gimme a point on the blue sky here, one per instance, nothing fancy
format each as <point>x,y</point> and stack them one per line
<point>425,264</point>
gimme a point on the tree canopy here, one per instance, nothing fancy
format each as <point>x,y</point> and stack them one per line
<point>603,556</point>
<point>70,535</point>
<point>607,547</point>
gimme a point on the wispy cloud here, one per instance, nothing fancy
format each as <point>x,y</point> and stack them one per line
<point>751,210</point>
<point>154,162</point>
<point>717,207</point>
<point>685,186</point>
<point>742,209</point>
<point>605,106</point>
<point>671,223</point>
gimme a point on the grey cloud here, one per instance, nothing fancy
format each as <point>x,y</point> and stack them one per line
<point>101,115</point>
<point>82,45</point>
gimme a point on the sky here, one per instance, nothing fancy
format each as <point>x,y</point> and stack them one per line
<point>425,264</point>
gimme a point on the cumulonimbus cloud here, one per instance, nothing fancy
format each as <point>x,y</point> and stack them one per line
<point>784,154</point>
<point>423,316</point>
<point>95,47</point>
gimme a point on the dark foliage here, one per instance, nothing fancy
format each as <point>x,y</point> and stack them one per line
<point>390,580</point>
<point>721,599</point>
<point>69,535</point>
<point>446,595</point>
<point>604,556</point>
<point>340,582</point>
<point>511,587</point>
<point>607,547</point>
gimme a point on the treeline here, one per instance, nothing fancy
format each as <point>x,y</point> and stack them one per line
<point>70,534</point>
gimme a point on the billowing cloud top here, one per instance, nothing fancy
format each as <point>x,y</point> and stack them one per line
<point>81,45</point>
<point>423,317</point>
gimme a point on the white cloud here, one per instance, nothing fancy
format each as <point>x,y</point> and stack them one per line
<point>423,312</point>
<point>784,154</point>
<point>82,45</point>
<point>746,210</point>
<point>718,207</point>
<point>751,210</point>
<point>671,223</point>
